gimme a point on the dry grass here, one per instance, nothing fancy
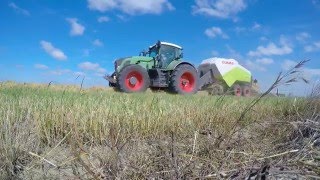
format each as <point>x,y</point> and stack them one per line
<point>62,132</point>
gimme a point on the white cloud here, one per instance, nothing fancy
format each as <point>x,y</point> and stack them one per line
<point>101,70</point>
<point>265,61</point>
<point>273,49</point>
<point>254,66</point>
<point>93,67</point>
<point>232,53</point>
<point>315,2</point>
<point>41,66</point>
<point>256,26</point>
<point>103,19</point>
<point>98,43</point>
<point>76,28</point>
<point>215,53</point>
<point>307,72</point>
<point>288,64</point>
<point>312,72</point>
<point>60,72</point>
<point>259,64</point>
<point>131,7</point>
<point>219,8</point>
<point>79,73</point>
<point>302,37</point>
<point>263,38</point>
<point>214,32</point>
<point>313,47</point>
<point>89,66</point>
<point>19,9</point>
<point>52,51</point>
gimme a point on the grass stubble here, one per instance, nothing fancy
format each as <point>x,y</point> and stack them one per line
<point>63,132</point>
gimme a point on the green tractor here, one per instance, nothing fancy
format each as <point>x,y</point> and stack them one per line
<point>162,67</point>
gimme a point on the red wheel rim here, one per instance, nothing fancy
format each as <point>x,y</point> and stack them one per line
<point>139,81</point>
<point>247,92</point>
<point>187,82</point>
<point>237,91</point>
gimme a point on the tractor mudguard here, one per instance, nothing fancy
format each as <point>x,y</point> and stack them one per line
<point>176,63</point>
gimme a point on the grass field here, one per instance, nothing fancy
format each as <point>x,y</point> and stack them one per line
<point>62,132</point>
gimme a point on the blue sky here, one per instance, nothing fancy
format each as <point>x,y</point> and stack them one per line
<point>43,41</point>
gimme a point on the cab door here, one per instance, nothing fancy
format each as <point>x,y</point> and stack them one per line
<point>167,55</point>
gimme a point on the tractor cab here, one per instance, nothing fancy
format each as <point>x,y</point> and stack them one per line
<point>164,53</point>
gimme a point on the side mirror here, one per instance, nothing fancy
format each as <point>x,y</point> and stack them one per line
<point>181,56</point>
<point>143,53</point>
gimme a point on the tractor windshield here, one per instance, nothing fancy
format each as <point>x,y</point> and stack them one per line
<point>153,52</point>
<point>169,53</point>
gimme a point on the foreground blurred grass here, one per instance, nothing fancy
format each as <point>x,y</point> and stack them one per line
<point>53,109</point>
<point>52,116</point>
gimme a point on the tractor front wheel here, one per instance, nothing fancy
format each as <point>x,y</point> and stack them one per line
<point>133,78</point>
<point>184,80</point>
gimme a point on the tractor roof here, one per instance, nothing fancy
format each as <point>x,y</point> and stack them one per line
<point>169,44</point>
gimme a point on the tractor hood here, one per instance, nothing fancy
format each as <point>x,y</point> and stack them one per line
<point>122,62</point>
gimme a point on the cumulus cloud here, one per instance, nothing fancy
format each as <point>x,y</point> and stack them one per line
<point>41,66</point>
<point>308,72</point>
<point>79,73</point>
<point>215,32</point>
<point>270,49</point>
<point>76,28</point>
<point>52,51</point>
<point>93,67</point>
<point>302,37</point>
<point>288,64</point>
<point>131,7</point>
<point>259,64</point>
<point>313,47</point>
<point>60,72</point>
<point>103,19</point>
<point>283,48</point>
<point>19,9</point>
<point>265,61</point>
<point>89,66</point>
<point>256,26</point>
<point>98,43</point>
<point>219,8</point>
<point>254,66</point>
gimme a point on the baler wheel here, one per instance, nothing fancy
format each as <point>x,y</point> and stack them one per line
<point>246,91</point>
<point>133,78</point>
<point>184,80</point>
<point>237,90</point>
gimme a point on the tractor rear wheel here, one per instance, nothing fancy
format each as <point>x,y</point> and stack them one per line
<point>184,80</point>
<point>246,91</point>
<point>133,78</point>
<point>237,90</point>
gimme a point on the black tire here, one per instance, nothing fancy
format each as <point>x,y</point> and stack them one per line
<point>137,74</point>
<point>184,80</point>
<point>236,90</point>
<point>246,91</point>
<point>215,89</point>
